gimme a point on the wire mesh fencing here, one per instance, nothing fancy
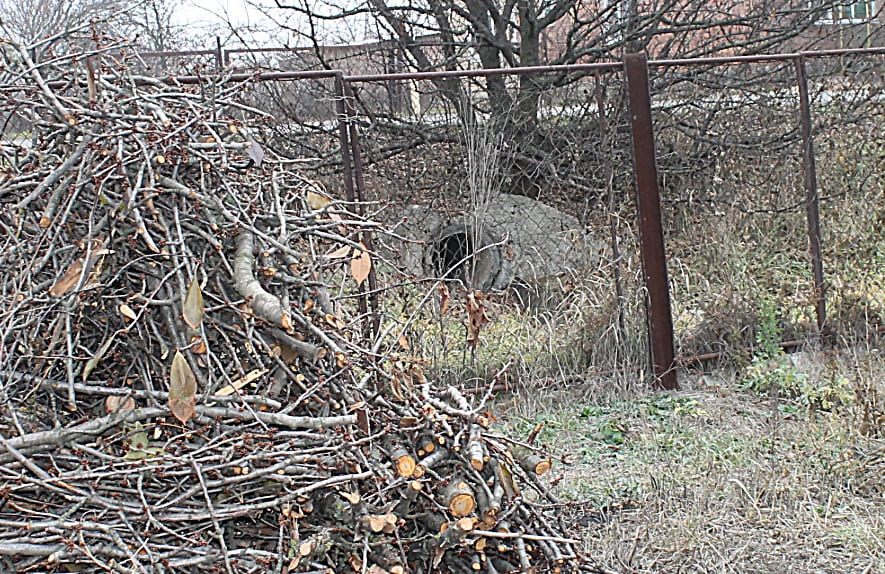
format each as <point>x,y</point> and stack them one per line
<point>513,192</point>
<point>736,196</point>
<point>736,155</point>
<point>519,184</point>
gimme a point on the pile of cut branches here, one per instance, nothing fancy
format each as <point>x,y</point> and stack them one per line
<point>185,380</point>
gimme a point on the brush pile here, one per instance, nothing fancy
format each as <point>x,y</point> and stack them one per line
<point>187,380</point>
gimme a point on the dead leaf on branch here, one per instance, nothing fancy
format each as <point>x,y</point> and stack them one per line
<point>360,264</point>
<point>443,300</point>
<point>128,312</point>
<point>340,253</point>
<point>182,388</point>
<point>193,308</point>
<point>317,201</point>
<point>477,318</point>
<point>91,260</point>
<point>68,280</point>
<point>403,341</point>
<point>116,403</point>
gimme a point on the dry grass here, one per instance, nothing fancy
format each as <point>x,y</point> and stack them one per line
<point>717,478</point>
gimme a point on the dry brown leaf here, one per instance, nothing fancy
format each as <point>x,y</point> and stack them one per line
<point>238,384</point>
<point>360,264</point>
<point>340,253</point>
<point>182,388</point>
<point>477,318</point>
<point>127,312</point>
<point>403,342</point>
<point>286,321</point>
<point>116,403</point>
<point>198,345</point>
<point>443,299</point>
<point>193,308</point>
<point>69,280</point>
<point>351,497</point>
<point>317,201</point>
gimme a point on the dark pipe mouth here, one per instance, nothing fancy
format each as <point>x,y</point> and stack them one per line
<point>458,255</point>
<point>450,257</point>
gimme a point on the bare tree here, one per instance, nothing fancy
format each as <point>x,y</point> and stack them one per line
<point>430,35</point>
<point>31,20</point>
<point>514,33</point>
<point>42,24</point>
<point>153,24</point>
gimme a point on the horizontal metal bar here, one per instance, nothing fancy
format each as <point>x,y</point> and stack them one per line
<point>228,79</point>
<point>718,60</point>
<point>522,71</point>
<point>176,53</point>
<point>259,77</point>
<point>310,49</point>
<point>610,66</point>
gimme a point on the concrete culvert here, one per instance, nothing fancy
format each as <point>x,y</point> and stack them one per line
<point>451,253</point>
<point>519,238</point>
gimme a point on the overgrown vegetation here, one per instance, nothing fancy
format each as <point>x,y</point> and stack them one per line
<point>717,471</point>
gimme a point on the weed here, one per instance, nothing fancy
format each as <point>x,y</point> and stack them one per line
<point>772,372</point>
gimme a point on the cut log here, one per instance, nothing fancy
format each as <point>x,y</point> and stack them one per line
<point>403,462</point>
<point>459,499</point>
<point>531,461</point>
<point>427,443</point>
<point>476,448</point>
<point>428,462</point>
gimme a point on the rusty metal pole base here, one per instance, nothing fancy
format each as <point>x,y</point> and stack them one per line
<point>651,228</point>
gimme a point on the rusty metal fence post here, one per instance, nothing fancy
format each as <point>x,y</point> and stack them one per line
<point>651,229</point>
<point>355,188</point>
<point>219,55</point>
<point>812,197</point>
<point>608,176</point>
<point>344,139</point>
